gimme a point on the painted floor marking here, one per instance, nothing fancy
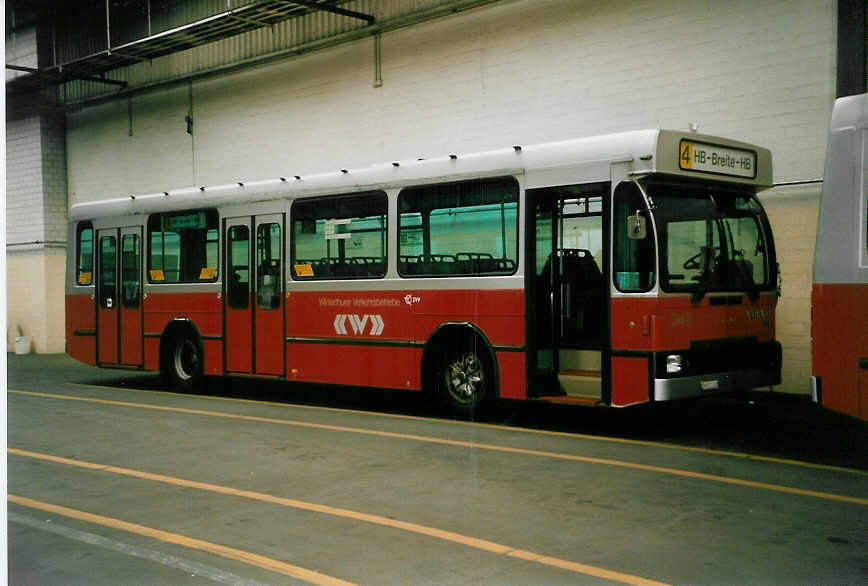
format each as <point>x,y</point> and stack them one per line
<point>246,557</point>
<point>467,541</point>
<point>187,566</point>
<point>597,438</point>
<point>472,445</point>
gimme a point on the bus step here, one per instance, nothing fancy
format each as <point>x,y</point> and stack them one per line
<point>581,384</point>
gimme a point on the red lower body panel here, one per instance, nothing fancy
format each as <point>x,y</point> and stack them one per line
<point>840,346</point>
<point>376,338</point>
<point>107,336</point>
<point>511,368</point>
<point>152,354</point>
<point>629,381</point>
<point>239,353</point>
<point>368,366</point>
<point>269,341</point>
<point>131,336</point>
<point>81,327</point>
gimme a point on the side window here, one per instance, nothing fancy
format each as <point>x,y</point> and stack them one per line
<point>339,237</point>
<point>268,247</point>
<point>107,272</point>
<point>466,228</point>
<point>84,254</point>
<point>237,265</point>
<point>633,258</point>
<point>130,263</point>
<point>183,247</point>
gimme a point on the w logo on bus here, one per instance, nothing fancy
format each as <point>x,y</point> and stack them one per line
<point>359,323</point>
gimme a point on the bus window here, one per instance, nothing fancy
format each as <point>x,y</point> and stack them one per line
<point>339,237</point>
<point>691,249</point>
<point>711,240</point>
<point>467,228</point>
<point>268,262</point>
<point>750,264</point>
<point>237,261</point>
<point>84,254</point>
<point>183,247</point>
<point>130,255</point>
<point>633,259</point>
<point>107,271</point>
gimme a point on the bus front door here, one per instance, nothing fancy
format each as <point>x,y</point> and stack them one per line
<point>254,299</point>
<point>119,297</point>
<point>568,302</point>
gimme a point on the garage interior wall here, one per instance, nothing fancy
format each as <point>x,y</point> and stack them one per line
<point>513,72</point>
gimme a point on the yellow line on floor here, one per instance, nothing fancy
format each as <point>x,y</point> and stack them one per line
<point>221,550</point>
<point>472,445</point>
<point>543,432</point>
<point>467,541</point>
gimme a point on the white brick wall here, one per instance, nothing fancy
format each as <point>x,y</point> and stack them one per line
<point>36,211</point>
<point>517,72</point>
<point>793,212</point>
<point>24,180</point>
<point>36,199</point>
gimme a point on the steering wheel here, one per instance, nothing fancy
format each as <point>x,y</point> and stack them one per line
<point>693,263</point>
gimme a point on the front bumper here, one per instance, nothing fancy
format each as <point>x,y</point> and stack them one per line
<point>669,389</point>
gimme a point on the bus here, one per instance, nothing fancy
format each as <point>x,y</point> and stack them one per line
<point>613,270</point>
<point>839,297</point>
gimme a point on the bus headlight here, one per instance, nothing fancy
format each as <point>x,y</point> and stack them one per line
<point>674,364</point>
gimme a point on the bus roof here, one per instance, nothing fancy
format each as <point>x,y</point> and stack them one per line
<point>647,151</point>
<point>850,112</point>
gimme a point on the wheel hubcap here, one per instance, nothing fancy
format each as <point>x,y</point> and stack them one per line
<point>464,378</point>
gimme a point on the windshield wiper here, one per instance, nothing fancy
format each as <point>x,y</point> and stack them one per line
<point>744,277</point>
<point>705,260</point>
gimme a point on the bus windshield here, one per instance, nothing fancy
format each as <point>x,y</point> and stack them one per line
<point>711,240</point>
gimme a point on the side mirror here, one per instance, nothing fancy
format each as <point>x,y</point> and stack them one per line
<point>636,227</point>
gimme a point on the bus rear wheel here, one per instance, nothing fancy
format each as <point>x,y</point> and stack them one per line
<point>463,381</point>
<point>182,367</point>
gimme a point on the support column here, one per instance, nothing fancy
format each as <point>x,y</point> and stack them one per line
<point>36,201</point>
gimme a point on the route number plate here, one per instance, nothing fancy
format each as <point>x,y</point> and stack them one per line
<point>710,158</point>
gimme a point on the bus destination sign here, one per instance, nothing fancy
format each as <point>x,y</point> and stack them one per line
<point>710,158</point>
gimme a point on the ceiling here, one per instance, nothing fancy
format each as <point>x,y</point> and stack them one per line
<point>95,65</point>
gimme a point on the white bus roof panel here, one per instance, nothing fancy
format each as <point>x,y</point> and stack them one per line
<point>647,151</point>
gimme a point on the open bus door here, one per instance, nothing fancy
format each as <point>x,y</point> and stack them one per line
<point>254,300</point>
<point>567,290</point>
<point>119,296</point>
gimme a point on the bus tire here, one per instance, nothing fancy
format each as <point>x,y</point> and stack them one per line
<point>464,378</point>
<point>182,363</point>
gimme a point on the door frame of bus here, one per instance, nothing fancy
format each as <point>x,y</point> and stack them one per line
<point>115,313</point>
<point>253,310</point>
<point>533,196</point>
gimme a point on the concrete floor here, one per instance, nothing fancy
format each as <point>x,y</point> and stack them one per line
<point>259,482</point>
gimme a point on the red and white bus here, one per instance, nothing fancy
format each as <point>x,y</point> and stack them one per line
<point>612,270</point>
<point>839,300</point>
